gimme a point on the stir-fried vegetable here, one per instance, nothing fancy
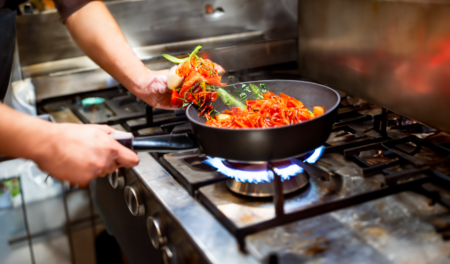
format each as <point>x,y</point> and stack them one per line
<point>228,99</point>
<point>174,59</point>
<point>199,78</point>
<point>255,91</point>
<point>270,111</point>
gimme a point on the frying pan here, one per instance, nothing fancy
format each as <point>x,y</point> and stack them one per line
<point>252,145</point>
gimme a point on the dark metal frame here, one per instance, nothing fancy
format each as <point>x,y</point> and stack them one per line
<point>68,227</point>
<point>27,226</point>
<point>390,149</point>
<point>395,182</point>
<point>283,218</point>
<point>189,186</point>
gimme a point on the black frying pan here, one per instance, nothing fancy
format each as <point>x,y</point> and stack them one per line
<point>268,144</point>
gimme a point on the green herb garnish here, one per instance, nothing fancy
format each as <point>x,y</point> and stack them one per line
<point>263,87</point>
<point>228,99</point>
<point>245,88</point>
<point>255,91</point>
<point>213,112</point>
<point>178,60</point>
<point>174,59</point>
<point>194,53</point>
<point>193,93</point>
<point>241,95</point>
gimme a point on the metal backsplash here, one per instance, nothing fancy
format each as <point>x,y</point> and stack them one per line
<point>393,53</point>
<point>232,58</point>
<point>42,38</point>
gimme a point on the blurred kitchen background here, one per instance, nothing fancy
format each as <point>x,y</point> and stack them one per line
<point>51,211</point>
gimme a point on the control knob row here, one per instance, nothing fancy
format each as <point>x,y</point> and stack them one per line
<point>134,201</point>
<point>155,228</point>
<point>116,179</point>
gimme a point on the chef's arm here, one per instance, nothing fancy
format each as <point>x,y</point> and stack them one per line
<point>17,131</point>
<point>96,32</point>
<point>75,153</point>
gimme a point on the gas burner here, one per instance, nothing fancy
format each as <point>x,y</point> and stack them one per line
<point>265,189</point>
<point>255,179</point>
<point>292,176</point>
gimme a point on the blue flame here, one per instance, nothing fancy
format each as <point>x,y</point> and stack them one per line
<point>239,175</point>
<point>316,155</point>
<point>262,175</point>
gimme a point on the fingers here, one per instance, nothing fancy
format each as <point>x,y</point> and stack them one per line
<point>121,156</point>
<point>93,153</point>
<point>126,157</point>
<point>159,84</point>
<point>107,129</point>
<point>110,168</point>
<point>166,107</point>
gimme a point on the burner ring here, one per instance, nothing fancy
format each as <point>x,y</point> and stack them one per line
<point>265,189</point>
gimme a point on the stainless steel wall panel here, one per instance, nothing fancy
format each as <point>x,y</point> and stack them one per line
<point>393,53</point>
<point>83,63</point>
<point>42,38</point>
<point>238,57</point>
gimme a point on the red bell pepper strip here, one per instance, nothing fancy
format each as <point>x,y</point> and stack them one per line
<point>272,111</point>
<point>175,99</point>
<point>197,73</point>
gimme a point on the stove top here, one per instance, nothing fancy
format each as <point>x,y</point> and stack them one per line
<point>373,197</point>
<point>378,194</point>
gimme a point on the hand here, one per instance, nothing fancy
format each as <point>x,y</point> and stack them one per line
<point>81,153</point>
<point>155,91</point>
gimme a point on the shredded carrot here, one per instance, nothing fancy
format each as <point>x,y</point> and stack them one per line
<point>272,111</point>
<point>197,73</point>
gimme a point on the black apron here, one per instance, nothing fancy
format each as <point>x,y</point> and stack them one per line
<point>7,43</point>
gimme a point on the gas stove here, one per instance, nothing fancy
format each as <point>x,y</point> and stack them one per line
<point>374,196</point>
<point>376,192</point>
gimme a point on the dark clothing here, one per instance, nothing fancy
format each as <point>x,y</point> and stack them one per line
<point>65,7</point>
<point>7,43</point>
<point>68,7</point>
<point>11,4</point>
<point>8,33</point>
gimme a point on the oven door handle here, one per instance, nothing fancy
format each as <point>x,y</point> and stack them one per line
<point>160,143</point>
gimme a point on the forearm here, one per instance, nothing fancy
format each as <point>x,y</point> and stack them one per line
<point>71,152</point>
<point>98,35</point>
<point>22,136</point>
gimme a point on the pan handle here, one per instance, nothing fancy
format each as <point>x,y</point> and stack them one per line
<point>162,143</point>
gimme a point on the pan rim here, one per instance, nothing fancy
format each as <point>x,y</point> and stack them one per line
<point>271,128</point>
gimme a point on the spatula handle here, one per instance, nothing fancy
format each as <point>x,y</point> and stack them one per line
<point>125,139</point>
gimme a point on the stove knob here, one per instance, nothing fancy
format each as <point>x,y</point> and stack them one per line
<point>116,179</point>
<point>134,201</point>
<point>155,231</point>
<point>169,255</point>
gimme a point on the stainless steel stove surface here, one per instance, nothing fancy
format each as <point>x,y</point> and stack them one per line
<point>378,194</point>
